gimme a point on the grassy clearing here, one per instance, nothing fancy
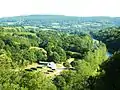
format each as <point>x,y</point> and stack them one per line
<point>70,60</point>
<point>38,48</point>
<point>48,72</point>
<point>25,33</point>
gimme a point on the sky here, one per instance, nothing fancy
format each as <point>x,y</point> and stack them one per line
<point>60,7</point>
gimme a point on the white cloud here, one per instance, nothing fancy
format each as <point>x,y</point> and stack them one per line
<point>63,7</point>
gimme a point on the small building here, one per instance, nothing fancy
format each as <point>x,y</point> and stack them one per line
<point>51,65</point>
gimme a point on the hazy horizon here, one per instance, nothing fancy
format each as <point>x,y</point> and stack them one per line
<point>56,15</point>
<point>81,8</point>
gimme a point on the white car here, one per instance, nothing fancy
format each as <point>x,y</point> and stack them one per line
<point>52,65</point>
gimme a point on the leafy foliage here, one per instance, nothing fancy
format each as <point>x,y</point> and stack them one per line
<point>21,47</point>
<point>111,37</point>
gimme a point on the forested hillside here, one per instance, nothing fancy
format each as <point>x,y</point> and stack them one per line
<point>109,78</point>
<point>20,48</point>
<point>110,36</point>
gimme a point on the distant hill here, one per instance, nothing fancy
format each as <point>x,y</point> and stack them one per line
<point>61,22</point>
<point>58,17</point>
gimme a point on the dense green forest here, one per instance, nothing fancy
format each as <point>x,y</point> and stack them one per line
<point>19,48</point>
<point>110,71</point>
<point>82,62</point>
<point>110,36</point>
